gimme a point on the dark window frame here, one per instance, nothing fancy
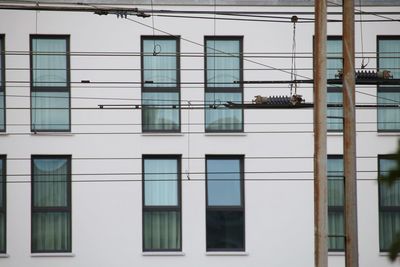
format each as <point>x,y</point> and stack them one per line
<point>380,88</point>
<point>380,207</point>
<point>336,209</point>
<point>177,208</point>
<point>67,208</point>
<point>241,208</point>
<point>172,89</point>
<point>334,89</point>
<point>67,88</point>
<point>3,78</point>
<point>4,199</point>
<point>238,89</point>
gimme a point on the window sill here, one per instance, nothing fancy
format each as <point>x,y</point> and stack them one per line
<point>162,134</point>
<point>4,134</point>
<point>225,134</point>
<point>52,134</point>
<point>227,253</point>
<point>66,254</point>
<point>388,133</point>
<point>336,253</point>
<point>334,133</point>
<point>163,253</point>
<point>384,254</point>
<point>4,255</point>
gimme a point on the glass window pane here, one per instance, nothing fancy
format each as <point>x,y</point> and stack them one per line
<point>2,182</point>
<point>225,230</point>
<point>388,118</point>
<point>160,67</point>
<point>2,232</point>
<point>223,63</point>
<point>389,226</point>
<point>2,110</point>
<point>389,194</point>
<point>50,187</point>
<point>223,182</point>
<point>161,182</point>
<point>51,231</point>
<point>389,59</point>
<point>335,123</point>
<point>222,118</point>
<point>50,111</point>
<point>160,115</point>
<point>335,182</point>
<point>49,64</point>
<point>336,230</point>
<point>334,57</point>
<point>162,230</point>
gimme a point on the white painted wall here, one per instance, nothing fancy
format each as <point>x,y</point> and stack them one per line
<point>106,217</point>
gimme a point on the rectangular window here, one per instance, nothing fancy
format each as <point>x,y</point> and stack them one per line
<point>3,198</point>
<point>162,203</point>
<point>160,84</point>
<point>389,59</point>
<point>389,204</point>
<point>335,203</point>
<point>2,86</point>
<point>223,68</point>
<point>334,94</point>
<point>50,83</point>
<point>51,204</point>
<point>225,203</point>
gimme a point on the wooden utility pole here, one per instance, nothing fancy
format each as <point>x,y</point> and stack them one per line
<point>349,136</point>
<point>320,154</point>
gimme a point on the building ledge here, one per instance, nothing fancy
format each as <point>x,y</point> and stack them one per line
<point>66,254</point>
<point>225,134</point>
<point>52,134</point>
<point>388,133</point>
<point>336,253</point>
<point>162,134</point>
<point>227,253</point>
<point>163,253</point>
<point>4,255</point>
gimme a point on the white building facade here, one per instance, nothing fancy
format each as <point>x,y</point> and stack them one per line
<point>116,148</point>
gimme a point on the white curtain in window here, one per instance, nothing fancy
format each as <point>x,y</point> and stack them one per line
<point>50,110</point>
<point>222,118</point>
<point>160,114</point>
<point>50,63</point>
<point>335,123</point>
<point>334,57</point>
<point>389,223</point>
<point>161,182</point>
<point>389,59</point>
<point>223,63</point>
<point>336,201</point>
<point>162,230</point>
<point>160,68</point>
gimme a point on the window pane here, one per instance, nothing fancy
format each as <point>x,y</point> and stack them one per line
<point>2,183</point>
<point>336,230</point>
<point>388,118</point>
<point>222,118</point>
<point>50,110</point>
<point>2,232</point>
<point>225,230</point>
<point>335,182</point>
<point>223,63</point>
<point>389,59</point>
<point>334,57</point>
<point>51,231</point>
<point>161,182</point>
<point>50,63</point>
<point>223,182</point>
<point>335,123</point>
<point>2,110</point>
<point>161,68</point>
<point>161,115</point>
<point>50,183</point>
<point>162,230</point>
